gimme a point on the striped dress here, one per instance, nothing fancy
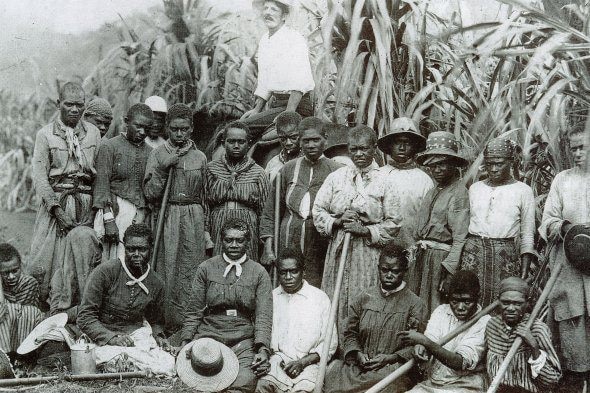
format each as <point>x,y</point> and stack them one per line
<point>499,338</point>
<point>235,191</point>
<point>19,313</point>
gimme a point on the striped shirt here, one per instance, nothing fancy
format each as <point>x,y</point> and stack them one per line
<point>25,292</point>
<point>499,338</point>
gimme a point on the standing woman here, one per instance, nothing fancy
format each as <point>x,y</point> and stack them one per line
<point>358,200</point>
<point>442,220</point>
<point>502,213</point>
<point>237,187</point>
<point>185,236</point>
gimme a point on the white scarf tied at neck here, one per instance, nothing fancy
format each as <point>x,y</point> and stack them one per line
<point>232,263</point>
<point>134,280</point>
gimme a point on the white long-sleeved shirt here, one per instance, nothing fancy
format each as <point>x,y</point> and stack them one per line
<point>503,212</point>
<point>299,327</point>
<point>283,64</point>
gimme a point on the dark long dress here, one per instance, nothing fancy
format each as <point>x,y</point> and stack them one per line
<point>372,326</point>
<point>236,191</point>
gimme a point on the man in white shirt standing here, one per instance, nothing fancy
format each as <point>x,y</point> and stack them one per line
<point>298,329</point>
<point>284,70</point>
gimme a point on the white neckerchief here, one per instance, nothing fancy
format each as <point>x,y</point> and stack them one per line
<point>134,280</point>
<point>399,288</point>
<point>232,263</point>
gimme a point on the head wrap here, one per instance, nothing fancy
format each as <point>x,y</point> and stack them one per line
<point>499,148</point>
<point>100,107</point>
<point>514,284</point>
<point>179,111</point>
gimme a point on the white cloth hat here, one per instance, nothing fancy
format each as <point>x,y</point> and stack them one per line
<point>157,104</point>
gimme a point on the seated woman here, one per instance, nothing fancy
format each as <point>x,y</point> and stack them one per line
<point>535,367</point>
<point>231,302</point>
<point>454,366</point>
<point>371,347</point>
<point>122,308</point>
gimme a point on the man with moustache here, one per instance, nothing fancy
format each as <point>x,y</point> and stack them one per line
<point>119,296</point>
<point>298,329</point>
<point>284,70</point>
<point>567,205</point>
<point>63,170</point>
<point>118,190</point>
<point>286,124</point>
<point>300,181</point>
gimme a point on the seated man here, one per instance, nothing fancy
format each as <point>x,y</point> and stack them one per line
<point>535,367</point>
<point>122,307</point>
<point>19,300</point>
<point>371,347</point>
<point>454,365</point>
<point>299,327</point>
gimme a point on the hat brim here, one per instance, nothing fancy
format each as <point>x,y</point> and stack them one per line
<point>385,142</point>
<point>214,383</point>
<point>461,161</point>
<point>6,370</point>
<point>576,244</point>
<point>29,344</point>
<point>329,151</point>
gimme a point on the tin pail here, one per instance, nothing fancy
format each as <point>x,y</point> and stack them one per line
<point>83,358</point>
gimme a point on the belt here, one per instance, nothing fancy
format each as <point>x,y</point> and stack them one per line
<point>184,203</point>
<point>505,239</point>
<point>285,96</point>
<point>232,205</point>
<point>72,184</point>
<point>219,310</point>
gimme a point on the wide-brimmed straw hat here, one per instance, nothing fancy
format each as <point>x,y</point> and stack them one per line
<point>576,245</point>
<point>36,338</point>
<point>402,126</point>
<point>6,370</point>
<point>441,143</point>
<point>209,366</point>
<point>337,138</point>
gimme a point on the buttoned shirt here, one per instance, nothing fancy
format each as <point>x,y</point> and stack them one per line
<point>283,64</point>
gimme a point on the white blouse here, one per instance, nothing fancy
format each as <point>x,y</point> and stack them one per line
<point>503,212</point>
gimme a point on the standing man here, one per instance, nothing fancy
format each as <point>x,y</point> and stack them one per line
<point>286,124</point>
<point>441,222</point>
<point>19,300</point>
<point>298,329</point>
<point>185,236</point>
<point>567,205</point>
<point>63,171</point>
<point>118,190</point>
<point>284,70</point>
<point>156,134</point>
<point>402,143</point>
<point>300,181</point>
<point>361,201</point>
<point>500,242</point>
<point>99,112</point>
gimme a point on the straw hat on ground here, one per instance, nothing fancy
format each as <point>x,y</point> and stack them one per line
<point>401,126</point>
<point>6,370</point>
<point>37,337</point>
<point>207,365</point>
<point>441,144</point>
<point>576,244</point>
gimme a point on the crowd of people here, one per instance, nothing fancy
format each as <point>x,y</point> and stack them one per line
<point>158,254</point>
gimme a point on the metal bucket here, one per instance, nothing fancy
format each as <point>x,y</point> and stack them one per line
<point>83,358</point>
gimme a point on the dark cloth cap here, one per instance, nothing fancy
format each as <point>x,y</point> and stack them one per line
<point>514,284</point>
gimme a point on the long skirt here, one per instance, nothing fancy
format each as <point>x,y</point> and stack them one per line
<point>344,378</point>
<point>424,276</point>
<point>82,253</point>
<point>568,334</point>
<point>181,251</point>
<point>492,260</point>
<point>48,243</point>
<point>360,272</point>
<point>218,217</point>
